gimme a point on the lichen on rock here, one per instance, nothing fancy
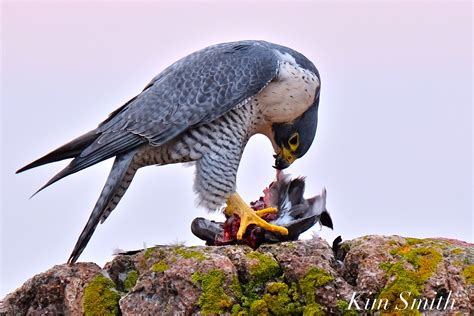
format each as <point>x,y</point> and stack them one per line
<point>416,261</point>
<point>159,267</point>
<point>130,280</point>
<point>190,253</point>
<point>101,297</point>
<point>263,268</point>
<point>282,300</point>
<point>468,274</point>
<point>297,278</point>
<point>213,299</point>
<point>314,278</point>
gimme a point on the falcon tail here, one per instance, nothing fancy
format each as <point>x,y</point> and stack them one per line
<point>117,183</point>
<point>87,150</point>
<point>69,150</point>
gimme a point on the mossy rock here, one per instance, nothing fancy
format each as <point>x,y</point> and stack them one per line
<point>130,280</point>
<point>213,299</point>
<point>159,267</point>
<point>101,297</point>
<point>468,274</point>
<point>314,278</point>
<point>343,307</point>
<point>264,269</point>
<point>188,254</point>
<point>417,261</point>
<point>282,300</point>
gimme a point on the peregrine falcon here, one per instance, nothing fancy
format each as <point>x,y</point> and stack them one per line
<point>203,109</point>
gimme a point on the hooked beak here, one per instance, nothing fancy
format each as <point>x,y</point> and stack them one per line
<point>284,159</point>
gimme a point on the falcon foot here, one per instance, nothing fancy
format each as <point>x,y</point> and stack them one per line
<point>237,206</point>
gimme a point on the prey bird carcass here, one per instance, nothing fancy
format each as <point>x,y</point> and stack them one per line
<point>294,212</point>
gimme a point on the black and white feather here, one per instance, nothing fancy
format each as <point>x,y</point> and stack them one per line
<point>295,212</point>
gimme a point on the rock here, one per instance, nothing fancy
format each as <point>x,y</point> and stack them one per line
<point>289,278</point>
<point>56,291</point>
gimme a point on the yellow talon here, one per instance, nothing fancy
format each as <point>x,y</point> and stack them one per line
<point>266,211</point>
<point>235,205</point>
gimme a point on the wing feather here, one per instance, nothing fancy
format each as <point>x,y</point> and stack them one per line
<point>195,90</point>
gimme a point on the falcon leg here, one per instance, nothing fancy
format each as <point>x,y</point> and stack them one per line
<point>237,206</point>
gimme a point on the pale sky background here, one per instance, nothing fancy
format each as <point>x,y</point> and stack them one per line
<point>393,146</point>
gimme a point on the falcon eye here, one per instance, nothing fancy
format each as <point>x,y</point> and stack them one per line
<point>294,141</point>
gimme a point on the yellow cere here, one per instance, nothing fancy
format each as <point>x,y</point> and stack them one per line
<point>288,155</point>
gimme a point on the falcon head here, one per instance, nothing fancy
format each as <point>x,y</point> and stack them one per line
<point>294,139</point>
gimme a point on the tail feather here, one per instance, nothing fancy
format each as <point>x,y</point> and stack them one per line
<point>76,165</point>
<point>117,183</point>
<point>61,174</point>
<point>69,150</point>
<point>81,161</point>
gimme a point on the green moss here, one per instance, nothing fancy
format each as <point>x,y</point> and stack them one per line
<point>457,251</point>
<point>264,269</point>
<point>343,307</point>
<point>277,287</point>
<point>237,310</point>
<point>149,252</point>
<point>100,297</point>
<point>188,254</point>
<point>404,282</point>
<point>130,281</point>
<point>236,288</point>
<point>386,266</point>
<point>313,309</point>
<point>424,262</point>
<point>259,307</point>
<point>315,277</point>
<point>468,274</point>
<point>413,241</point>
<point>196,277</point>
<point>159,267</point>
<point>265,293</point>
<point>442,244</point>
<point>279,299</point>
<point>294,294</point>
<point>213,299</point>
<point>458,263</point>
